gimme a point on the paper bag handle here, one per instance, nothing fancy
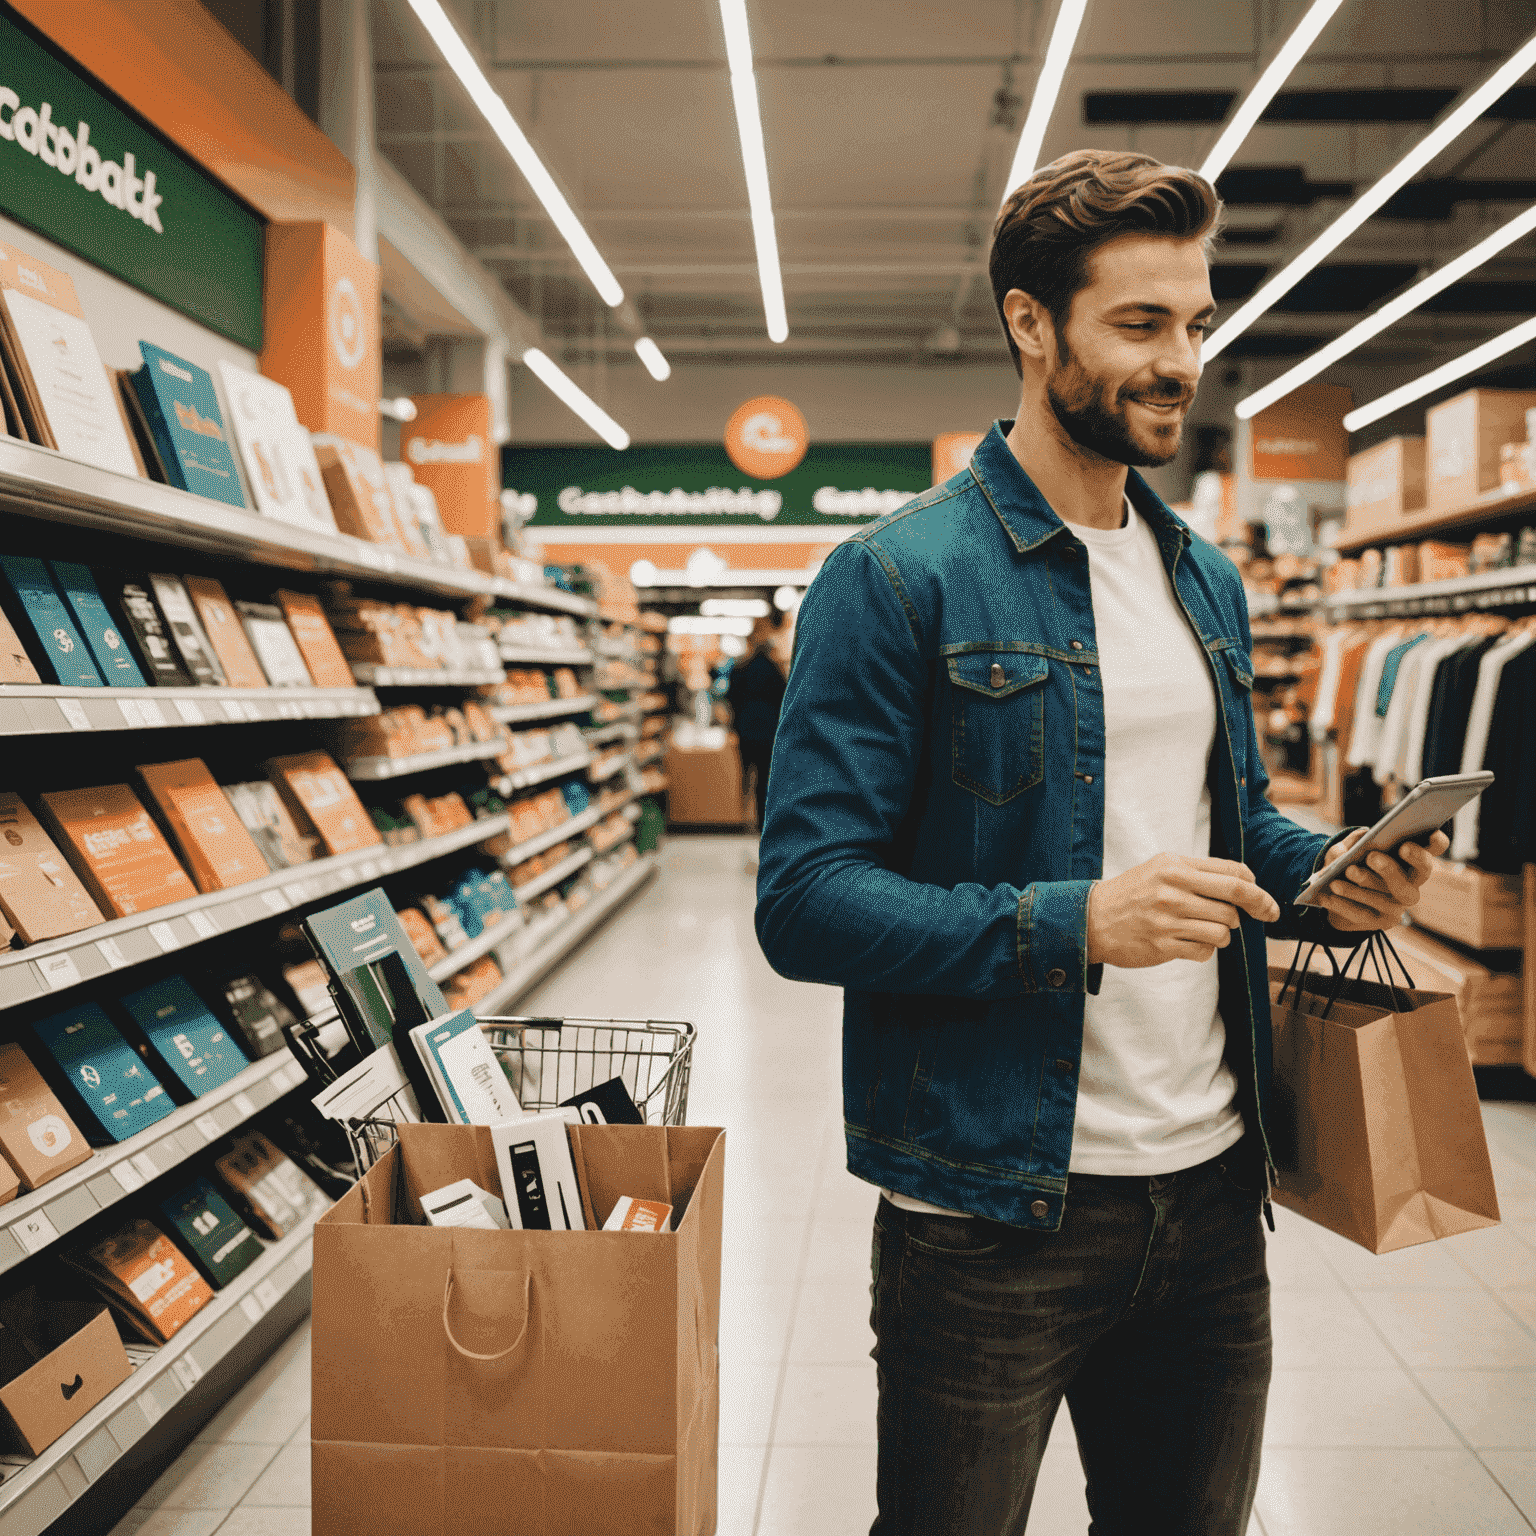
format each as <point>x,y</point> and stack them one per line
<point>501,1354</point>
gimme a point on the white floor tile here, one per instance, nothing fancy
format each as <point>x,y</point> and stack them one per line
<point>819,1491</point>
<point>827,1405</point>
<point>740,1480</point>
<point>208,1476</point>
<point>1498,1256</point>
<point>1450,1329</point>
<point>748,1391</point>
<point>1516,1475</point>
<point>1423,1267</point>
<point>832,1323</point>
<point>1361,1492</point>
<point>1321,1330</point>
<point>266,1522</point>
<point>170,1522</point>
<point>1492,1410</point>
<point>285,1481</point>
<point>1352,1408</point>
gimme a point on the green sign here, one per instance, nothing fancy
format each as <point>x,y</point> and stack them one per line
<point>667,485</point>
<point>78,167</point>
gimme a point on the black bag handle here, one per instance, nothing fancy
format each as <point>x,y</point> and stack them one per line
<point>1375,949</point>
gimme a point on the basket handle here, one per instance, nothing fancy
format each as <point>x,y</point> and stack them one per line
<point>501,1354</point>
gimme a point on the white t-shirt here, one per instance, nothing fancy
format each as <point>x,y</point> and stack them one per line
<point>1154,1093</point>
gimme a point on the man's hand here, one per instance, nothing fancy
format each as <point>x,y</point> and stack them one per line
<point>1376,897</point>
<point>1171,908</point>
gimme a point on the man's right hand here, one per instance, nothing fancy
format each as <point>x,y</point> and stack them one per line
<point>1172,908</point>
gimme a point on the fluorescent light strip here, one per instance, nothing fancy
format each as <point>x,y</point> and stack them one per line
<point>749,127</point>
<point>562,385</point>
<point>1267,85</point>
<point>1447,373</point>
<point>1507,75</point>
<point>655,364</point>
<point>484,96</point>
<point>1026,157</point>
<point>1388,314</point>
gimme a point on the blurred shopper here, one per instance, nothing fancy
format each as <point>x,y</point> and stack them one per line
<point>755,694</point>
<point>1018,812</point>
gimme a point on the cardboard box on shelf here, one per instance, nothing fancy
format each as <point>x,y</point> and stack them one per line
<point>1385,482</point>
<point>452,451</point>
<point>226,634</point>
<point>322,801</point>
<point>41,897</point>
<point>15,665</point>
<point>44,1395</point>
<point>622,1322</point>
<point>1473,906</point>
<point>116,848</point>
<point>359,493</point>
<point>315,640</point>
<point>217,846</point>
<point>38,1138</point>
<point>1465,436</point>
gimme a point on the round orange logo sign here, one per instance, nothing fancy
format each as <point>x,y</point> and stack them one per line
<point>766,437</point>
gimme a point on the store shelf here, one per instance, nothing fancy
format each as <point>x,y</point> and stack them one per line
<point>34,709</point>
<point>40,1493</point>
<point>618,765</point>
<point>60,964</point>
<point>555,874</point>
<point>600,849</point>
<point>545,709</point>
<point>369,769</point>
<point>551,598</point>
<point>537,773</point>
<point>1413,526</point>
<point>564,939</point>
<point>620,728</point>
<point>1459,594</point>
<point>546,655</point>
<point>32,1222</point>
<point>577,824</point>
<point>37,482</point>
<point>425,677</point>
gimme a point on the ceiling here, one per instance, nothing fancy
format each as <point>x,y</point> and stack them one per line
<point>889,131</point>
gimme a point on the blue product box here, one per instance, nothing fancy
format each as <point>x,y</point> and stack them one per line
<point>184,1033</point>
<point>111,650</point>
<point>122,1094</point>
<point>182,409</point>
<point>45,614</point>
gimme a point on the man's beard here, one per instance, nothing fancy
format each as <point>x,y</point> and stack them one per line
<point>1078,403</point>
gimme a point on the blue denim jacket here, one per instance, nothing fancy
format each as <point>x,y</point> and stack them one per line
<point>936,820</point>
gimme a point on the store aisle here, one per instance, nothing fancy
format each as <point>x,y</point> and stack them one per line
<point>1405,1388</point>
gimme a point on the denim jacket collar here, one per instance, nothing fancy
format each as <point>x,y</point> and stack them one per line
<point>1028,518</point>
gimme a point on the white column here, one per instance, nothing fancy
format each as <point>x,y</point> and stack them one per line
<point>346,107</point>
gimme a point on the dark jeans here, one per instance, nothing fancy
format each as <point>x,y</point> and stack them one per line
<point>756,755</point>
<point>1148,1311</point>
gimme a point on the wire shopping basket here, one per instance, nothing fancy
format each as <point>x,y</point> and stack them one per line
<point>549,1061</point>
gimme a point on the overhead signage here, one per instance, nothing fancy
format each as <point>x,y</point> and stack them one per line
<point>766,437</point>
<point>668,485</point>
<point>78,167</point>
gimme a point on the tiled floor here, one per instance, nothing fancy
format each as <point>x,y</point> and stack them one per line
<point>1404,1401</point>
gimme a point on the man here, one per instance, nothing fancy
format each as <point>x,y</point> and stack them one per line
<point>1018,813</point>
<point>755,693</point>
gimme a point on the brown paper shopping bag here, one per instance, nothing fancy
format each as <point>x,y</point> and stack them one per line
<point>1378,1135</point>
<point>536,1383</point>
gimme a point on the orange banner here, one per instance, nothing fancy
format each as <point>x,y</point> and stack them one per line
<point>450,451</point>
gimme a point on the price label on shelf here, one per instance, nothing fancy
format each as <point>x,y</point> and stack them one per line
<point>251,709</point>
<point>203,924</point>
<point>109,951</point>
<point>251,1307</point>
<point>267,1294</point>
<point>58,971</point>
<point>297,893</point>
<point>232,709</point>
<point>245,1106</point>
<point>275,901</point>
<point>127,1176</point>
<point>367,870</point>
<point>74,712</point>
<point>190,711</point>
<point>151,1406</point>
<point>208,1126</point>
<point>129,709</point>
<point>150,712</point>
<point>146,1165</point>
<point>165,936</point>
<point>34,1232</point>
<point>187,1372</point>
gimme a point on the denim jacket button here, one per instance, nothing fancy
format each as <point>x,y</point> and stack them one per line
<point>996,677</point>
<point>1077,645</point>
<point>1040,1210</point>
<point>1056,978</point>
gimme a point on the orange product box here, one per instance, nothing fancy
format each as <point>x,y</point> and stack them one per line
<point>322,800</point>
<point>218,847</point>
<point>359,493</point>
<point>451,451</point>
<point>315,639</point>
<point>117,849</point>
<point>1466,435</point>
<point>225,633</point>
<point>472,983</point>
<point>479,724</point>
<point>38,1138</point>
<point>1385,482</point>
<point>422,935</point>
<point>166,1291</point>
<point>14,665</point>
<point>41,897</point>
<point>1442,562</point>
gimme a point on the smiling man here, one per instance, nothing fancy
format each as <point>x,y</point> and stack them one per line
<point>1018,813</point>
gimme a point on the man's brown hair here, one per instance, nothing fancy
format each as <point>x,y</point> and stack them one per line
<point>1053,222</point>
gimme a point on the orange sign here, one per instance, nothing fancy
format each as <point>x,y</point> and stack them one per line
<point>450,451</point>
<point>1302,437</point>
<point>322,321</point>
<point>766,437</point>
<point>952,452</point>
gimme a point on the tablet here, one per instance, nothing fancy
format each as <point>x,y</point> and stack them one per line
<point>1425,807</point>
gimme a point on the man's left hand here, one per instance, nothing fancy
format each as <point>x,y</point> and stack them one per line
<point>1376,892</point>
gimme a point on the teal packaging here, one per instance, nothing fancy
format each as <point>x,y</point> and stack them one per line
<point>184,1033</point>
<point>64,651</point>
<point>112,652</point>
<point>210,1234</point>
<point>122,1094</point>
<point>188,427</point>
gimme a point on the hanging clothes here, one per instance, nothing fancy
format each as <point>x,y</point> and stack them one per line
<point>1366,733</point>
<point>1466,834</point>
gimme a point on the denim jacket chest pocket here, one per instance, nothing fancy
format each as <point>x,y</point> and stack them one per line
<point>997,715</point>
